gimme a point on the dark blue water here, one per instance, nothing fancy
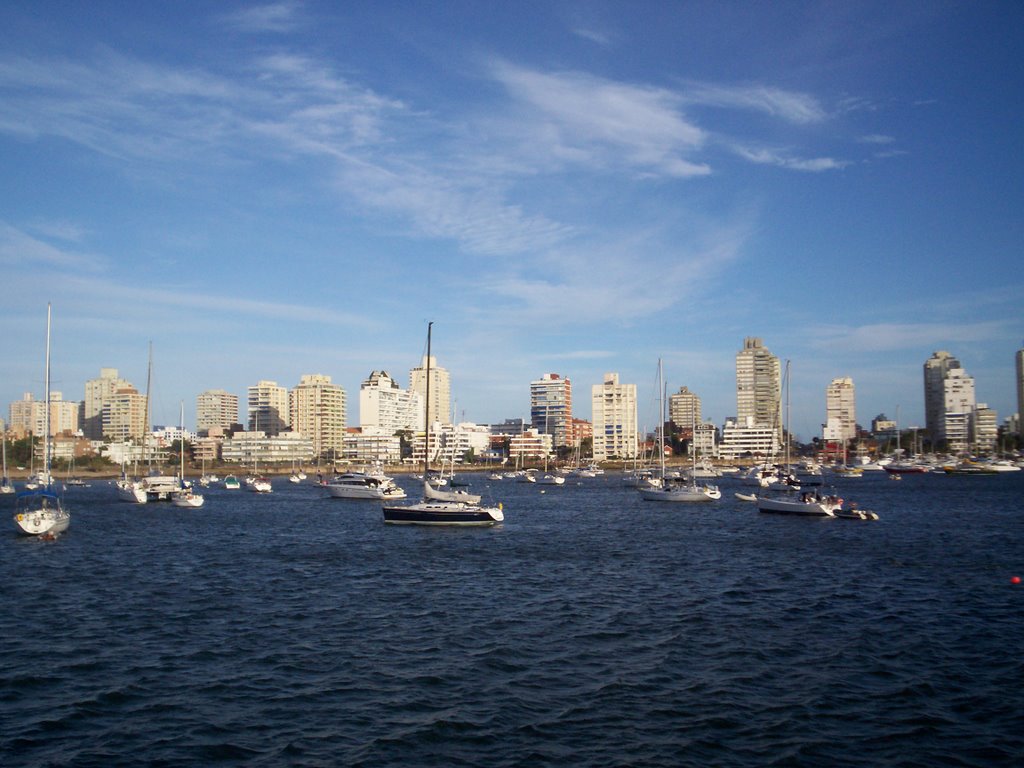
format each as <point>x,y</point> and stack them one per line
<point>591,629</point>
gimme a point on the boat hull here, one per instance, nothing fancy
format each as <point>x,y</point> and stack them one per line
<point>794,507</point>
<point>443,513</point>
<point>688,494</point>
<point>40,513</point>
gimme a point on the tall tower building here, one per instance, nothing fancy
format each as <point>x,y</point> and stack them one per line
<point>439,407</point>
<point>614,415</point>
<point>318,411</point>
<point>758,386</point>
<point>959,405</point>
<point>386,406</point>
<point>216,408</point>
<point>97,392</point>
<point>840,410</point>
<point>1020,391</point>
<point>125,415</point>
<point>684,409</point>
<point>268,408</point>
<point>551,407</point>
<point>936,369</point>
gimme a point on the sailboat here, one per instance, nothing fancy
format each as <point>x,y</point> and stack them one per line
<point>154,486</point>
<point>432,511</point>
<point>185,497</point>
<point>664,489</point>
<point>257,482</point>
<point>6,486</point>
<point>41,512</point>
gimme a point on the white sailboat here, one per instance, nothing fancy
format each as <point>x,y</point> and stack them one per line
<point>6,486</point>
<point>439,512</point>
<point>41,512</point>
<point>185,497</point>
<point>664,489</point>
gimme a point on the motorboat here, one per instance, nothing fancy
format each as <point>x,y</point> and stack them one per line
<point>363,485</point>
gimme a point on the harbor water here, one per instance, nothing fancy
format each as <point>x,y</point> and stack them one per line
<point>590,629</point>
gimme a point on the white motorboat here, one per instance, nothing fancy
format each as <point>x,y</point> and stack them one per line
<point>808,504</point>
<point>363,485</point>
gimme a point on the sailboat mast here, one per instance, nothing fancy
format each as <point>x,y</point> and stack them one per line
<point>426,412</point>
<point>145,426</point>
<point>46,399</point>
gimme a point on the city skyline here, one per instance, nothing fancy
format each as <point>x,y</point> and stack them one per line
<point>268,191</point>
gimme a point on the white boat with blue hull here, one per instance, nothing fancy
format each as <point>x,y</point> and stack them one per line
<point>443,513</point>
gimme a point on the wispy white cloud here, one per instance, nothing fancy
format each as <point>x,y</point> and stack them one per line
<point>763,156</point>
<point>272,17</point>
<point>889,337</point>
<point>68,231</point>
<point>592,35</point>
<point>876,138</point>
<point>580,119</point>
<point>19,249</point>
<point>791,106</point>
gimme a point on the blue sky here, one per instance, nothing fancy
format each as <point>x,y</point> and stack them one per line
<point>265,191</point>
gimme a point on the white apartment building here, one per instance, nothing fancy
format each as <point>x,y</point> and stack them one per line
<point>551,407</point>
<point>840,411</point>
<point>318,411</point>
<point>451,442</point>
<point>936,369</point>
<point>758,386</point>
<point>385,406</point>
<point>705,439</point>
<point>1019,360</point>
<point>684,409</point>
<point>97,392</point>
<point>216,409</point>
<point>742,437</point>
<point>371,445</point>
<point>984,428</point>
<point>268,408</point>
<point>439,407</point>
<point>613,406</point>
<point>959,403</point>
<point>531,444</point>
<point>248,448</point>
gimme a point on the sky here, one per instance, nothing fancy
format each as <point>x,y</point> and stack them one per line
<point>266,191</point>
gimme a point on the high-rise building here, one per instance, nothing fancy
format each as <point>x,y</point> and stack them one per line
<point>97,392</point>
<point>1020,390</point>
<point>268,408</point>
<point>959,405</point>
<point>216,408</point>
<point>840,410</point>
<point>936,368</point>
<point>684,410</point>
<point>318,411</point>
<point>984,428</point>
<point>614,419</point>
<point>28,415</point>
<point>758,386</point>
<point>439,407</point>
<point>125,416</point>
<point>386,406</point>
<point>551,407</point>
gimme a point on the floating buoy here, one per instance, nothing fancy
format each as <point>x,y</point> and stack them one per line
<point>1015,580</point>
